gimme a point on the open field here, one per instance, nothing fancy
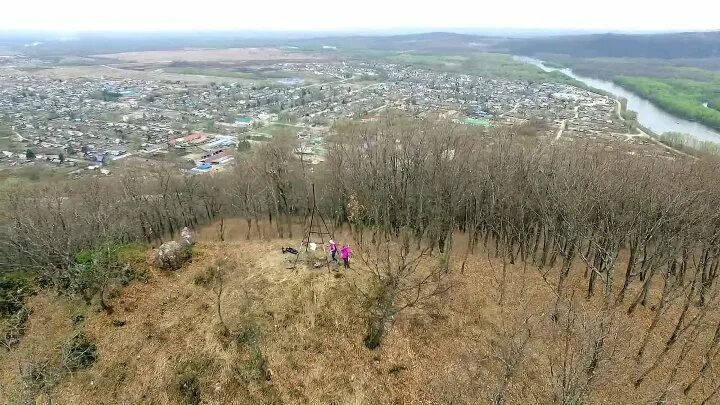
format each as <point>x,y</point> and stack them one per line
<point>269,76</point>
<point>107,72</point>
<point>211,55</point>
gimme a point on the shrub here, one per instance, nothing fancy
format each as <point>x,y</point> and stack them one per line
<point>252,368</point>
<point>189,374</point>
<point>247,335</point>
<point>84,256</point>
<point>128,253</point>
<point>37,377</point>
<point>95,268</point>
<point>689,144</point>
<point>78,353</point>
<point>12,328</point>
<point>15,287</point>
<point>206,277</point>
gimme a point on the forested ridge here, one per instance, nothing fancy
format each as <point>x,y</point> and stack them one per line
<point>430,178</point>
<point>624,231</point>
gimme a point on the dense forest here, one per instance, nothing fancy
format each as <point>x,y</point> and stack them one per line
<point>628,232</point>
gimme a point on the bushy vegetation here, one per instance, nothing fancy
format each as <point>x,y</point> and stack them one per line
<point>15,286</point>
<point>78,353</point>
<point>40,374</point>
<point>188,378</point>
<point>682,97</point>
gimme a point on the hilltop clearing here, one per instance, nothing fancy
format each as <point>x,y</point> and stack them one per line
<point>296,337</point>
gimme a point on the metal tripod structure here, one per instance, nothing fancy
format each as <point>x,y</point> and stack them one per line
<point>314,231</point>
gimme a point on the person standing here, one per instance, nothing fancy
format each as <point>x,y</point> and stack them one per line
<point>345,254</point>
<point>186,236</point>
<point>333,250</point>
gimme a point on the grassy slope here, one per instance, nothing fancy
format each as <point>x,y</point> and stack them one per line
<point>311,329</point>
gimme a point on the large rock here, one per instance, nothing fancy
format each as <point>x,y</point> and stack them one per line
<point>171,255</point>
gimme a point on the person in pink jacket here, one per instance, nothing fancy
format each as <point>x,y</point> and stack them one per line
<point>345,254</point>
<point>333,250</point>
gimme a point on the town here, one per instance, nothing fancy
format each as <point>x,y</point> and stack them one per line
<point>85,123</point>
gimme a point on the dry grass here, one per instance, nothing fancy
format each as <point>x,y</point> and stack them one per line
<point>107,72</point>
<point>308,347</point>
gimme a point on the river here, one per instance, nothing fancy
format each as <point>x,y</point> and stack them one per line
<point>649,115</point>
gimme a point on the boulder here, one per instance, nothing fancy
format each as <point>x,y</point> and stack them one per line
<point>172,255</point>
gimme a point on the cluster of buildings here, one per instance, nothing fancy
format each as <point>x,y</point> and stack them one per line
<point>89,123</point>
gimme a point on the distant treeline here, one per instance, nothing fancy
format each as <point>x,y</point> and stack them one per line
<point>666,46</point>
<point>689,144</point>
<point>701,70</point>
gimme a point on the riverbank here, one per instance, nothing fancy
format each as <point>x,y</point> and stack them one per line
<point>677,143</point>
<point>649,116</point>
<point>682,98</point>
<point>687,88</point>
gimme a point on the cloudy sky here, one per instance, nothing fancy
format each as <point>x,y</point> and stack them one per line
<point>367,15</point>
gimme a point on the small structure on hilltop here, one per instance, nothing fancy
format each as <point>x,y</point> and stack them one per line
<point>317,233</point>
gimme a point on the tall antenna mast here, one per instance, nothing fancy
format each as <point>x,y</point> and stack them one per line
<point>317,230</point>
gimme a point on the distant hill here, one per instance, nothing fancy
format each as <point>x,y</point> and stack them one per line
<point>439,42</point>
<point>665,46</point>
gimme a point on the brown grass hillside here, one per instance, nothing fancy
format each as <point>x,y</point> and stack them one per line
<point>297,338</point>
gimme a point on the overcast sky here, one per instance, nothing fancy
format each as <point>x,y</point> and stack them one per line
<point>366,15</point>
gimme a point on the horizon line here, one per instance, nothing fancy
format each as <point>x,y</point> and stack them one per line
<point>356,31</point>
